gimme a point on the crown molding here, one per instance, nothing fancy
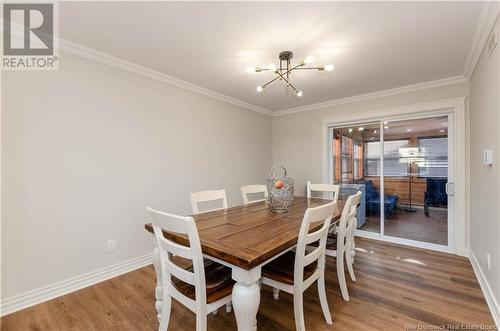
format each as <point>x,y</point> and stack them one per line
<point>113,61</point>
<point>487,20</point>
<point>374,95</point>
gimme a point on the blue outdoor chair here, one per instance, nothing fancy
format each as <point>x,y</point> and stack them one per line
<point>372,198</point>
<point>435,194</point>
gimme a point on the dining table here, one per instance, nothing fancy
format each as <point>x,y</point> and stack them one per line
<point>245,238</point>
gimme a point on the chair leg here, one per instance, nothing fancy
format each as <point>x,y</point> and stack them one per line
<point>350,261</point>
<point>298,309</point>
<point>165,312</point>
<point>201,321</point>
<point>341,276</point>
<point>229,307</point>
<point>322,298</point>
<point>276,293</point>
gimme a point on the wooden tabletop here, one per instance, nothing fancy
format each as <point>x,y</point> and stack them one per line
<point>249,235</point>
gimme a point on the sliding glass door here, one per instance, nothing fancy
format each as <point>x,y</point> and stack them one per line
<point>415,179</point>
<point>350,165</point>
<point>402,169</point>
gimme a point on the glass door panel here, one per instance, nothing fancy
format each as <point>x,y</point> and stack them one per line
<point>354,168</point>
<point>415,175</point>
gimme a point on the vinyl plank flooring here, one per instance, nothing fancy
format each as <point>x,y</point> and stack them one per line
<point>397,286</point>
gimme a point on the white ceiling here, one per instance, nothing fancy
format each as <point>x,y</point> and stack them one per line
<point>373,45</point>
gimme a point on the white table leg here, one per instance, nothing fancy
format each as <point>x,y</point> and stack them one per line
<point>159,288</point>
<point>246,297</point>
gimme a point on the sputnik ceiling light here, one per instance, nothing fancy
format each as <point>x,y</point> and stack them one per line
<point>285,69</point>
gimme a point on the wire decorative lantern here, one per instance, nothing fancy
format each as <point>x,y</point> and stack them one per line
<point>280,188</point>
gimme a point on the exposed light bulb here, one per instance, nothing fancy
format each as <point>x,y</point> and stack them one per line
<point>299,94</point>
<point>329,67</point>
<point>259,88</point>
<point>272,67</point>
<point>309,59</point>
<point>251,70</point>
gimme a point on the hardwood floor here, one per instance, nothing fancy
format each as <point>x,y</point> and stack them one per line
<point>396,286</point>
<point>414,226</point>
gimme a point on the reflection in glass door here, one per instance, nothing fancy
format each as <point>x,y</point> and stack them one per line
<point>401,167</point>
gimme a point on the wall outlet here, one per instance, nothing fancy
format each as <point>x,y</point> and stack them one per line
<point>488,261</point>
<point>488,157</point>
<point>111,245</point>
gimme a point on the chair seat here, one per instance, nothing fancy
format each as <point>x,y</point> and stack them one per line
<point>281,269</point>
<point>331,242</point>
<point>219,283</point>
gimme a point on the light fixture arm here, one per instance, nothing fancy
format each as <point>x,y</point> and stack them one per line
<point>288,82</point>
<point>281,75</point>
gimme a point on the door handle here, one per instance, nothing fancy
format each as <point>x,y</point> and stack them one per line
<point>448,191</point>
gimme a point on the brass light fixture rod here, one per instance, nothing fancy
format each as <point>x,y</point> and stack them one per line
<point>285,69</point>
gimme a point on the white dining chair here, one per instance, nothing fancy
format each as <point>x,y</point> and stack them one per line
<point>293,272</point>
<point>253,190</point>
<point>341,243</point>
<point>204,286</point>
<point>324,188</point>
<point>198,198</point>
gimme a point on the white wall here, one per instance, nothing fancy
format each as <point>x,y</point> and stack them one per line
<point>298,137</point>
<point>87,148</point>
<point>485,183</point>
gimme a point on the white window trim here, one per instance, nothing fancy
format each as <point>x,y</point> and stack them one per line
<point>455,108</point>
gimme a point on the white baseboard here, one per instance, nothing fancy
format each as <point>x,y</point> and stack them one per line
<point>485,286</point>
<point>31,298</point>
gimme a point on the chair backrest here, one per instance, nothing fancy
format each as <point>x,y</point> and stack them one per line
<point>253,189</point>
<point>334,189</point>
<point>167,249</point>
<point>322,214</point>
<point>207,196</point>
<point>348,222</point>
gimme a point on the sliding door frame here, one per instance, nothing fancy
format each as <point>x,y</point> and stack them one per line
<point>455,110</point>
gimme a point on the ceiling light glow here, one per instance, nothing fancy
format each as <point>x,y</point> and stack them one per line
<point>329,67</point>
<point>309,59</point>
